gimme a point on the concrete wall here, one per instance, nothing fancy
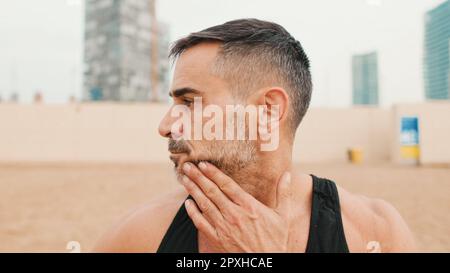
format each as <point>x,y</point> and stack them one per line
<point>327,134</point>
<point>128,133</point>
<point>85,132</point>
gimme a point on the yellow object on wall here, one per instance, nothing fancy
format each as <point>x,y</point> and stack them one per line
<point>410,152</point>
<point>355,155</point>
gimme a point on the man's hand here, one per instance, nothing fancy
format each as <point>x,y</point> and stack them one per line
<point>233,219</point>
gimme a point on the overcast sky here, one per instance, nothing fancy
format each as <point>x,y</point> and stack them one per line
<point>41,42</point>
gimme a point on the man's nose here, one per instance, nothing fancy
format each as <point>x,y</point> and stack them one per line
<point>166,126</point>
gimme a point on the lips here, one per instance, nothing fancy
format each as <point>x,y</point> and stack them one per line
<point>176,158</point>
<point>177,152</point>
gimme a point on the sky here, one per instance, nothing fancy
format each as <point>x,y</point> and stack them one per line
<point>41,42</point>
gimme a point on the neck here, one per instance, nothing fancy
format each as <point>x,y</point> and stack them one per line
<point>260,179</point>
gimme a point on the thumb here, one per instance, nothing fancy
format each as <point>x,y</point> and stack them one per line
<point>284,194</point>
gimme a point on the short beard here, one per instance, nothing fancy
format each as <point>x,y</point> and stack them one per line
<point>232,157</point>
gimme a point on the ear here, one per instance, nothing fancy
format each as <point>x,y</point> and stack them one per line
<point>275,96</point>
<point>272,116</point>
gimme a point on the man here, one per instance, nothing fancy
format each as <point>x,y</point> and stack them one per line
<point>236,197</point>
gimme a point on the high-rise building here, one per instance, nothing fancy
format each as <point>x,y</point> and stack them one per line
<point>365,79</point>
<point>118,51</point>
<point>436,49</point>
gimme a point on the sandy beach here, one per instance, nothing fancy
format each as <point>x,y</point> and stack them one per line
<point>44,206</point>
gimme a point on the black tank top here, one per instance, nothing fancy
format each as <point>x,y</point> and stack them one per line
<point>326,232</point>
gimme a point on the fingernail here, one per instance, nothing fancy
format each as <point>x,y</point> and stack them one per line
<point>202,165</point>
<point>186,167</point>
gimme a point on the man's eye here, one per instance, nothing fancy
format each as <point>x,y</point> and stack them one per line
<point>187,102</point>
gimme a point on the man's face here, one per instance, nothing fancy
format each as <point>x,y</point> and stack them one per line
<point>194,77</point>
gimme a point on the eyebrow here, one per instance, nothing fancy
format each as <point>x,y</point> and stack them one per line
<point>183,91</point>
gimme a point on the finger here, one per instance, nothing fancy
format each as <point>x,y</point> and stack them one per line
<point>226,184</point>
<point>284,194</point>
<point>199,220</point>
<point>206,206</point>
<point>209,188</point>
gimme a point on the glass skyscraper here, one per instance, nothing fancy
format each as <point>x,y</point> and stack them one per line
<point>365,79</point>
<point>436,57</point>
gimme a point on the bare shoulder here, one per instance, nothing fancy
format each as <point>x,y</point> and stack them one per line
<point>373,225</point>
<point>142,229</point>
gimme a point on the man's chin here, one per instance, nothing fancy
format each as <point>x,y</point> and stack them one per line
<point>178,161</point>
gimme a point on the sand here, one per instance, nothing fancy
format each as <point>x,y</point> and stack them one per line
<point>45,206</point>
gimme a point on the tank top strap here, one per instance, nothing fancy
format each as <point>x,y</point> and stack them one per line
<point>326,231</point>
